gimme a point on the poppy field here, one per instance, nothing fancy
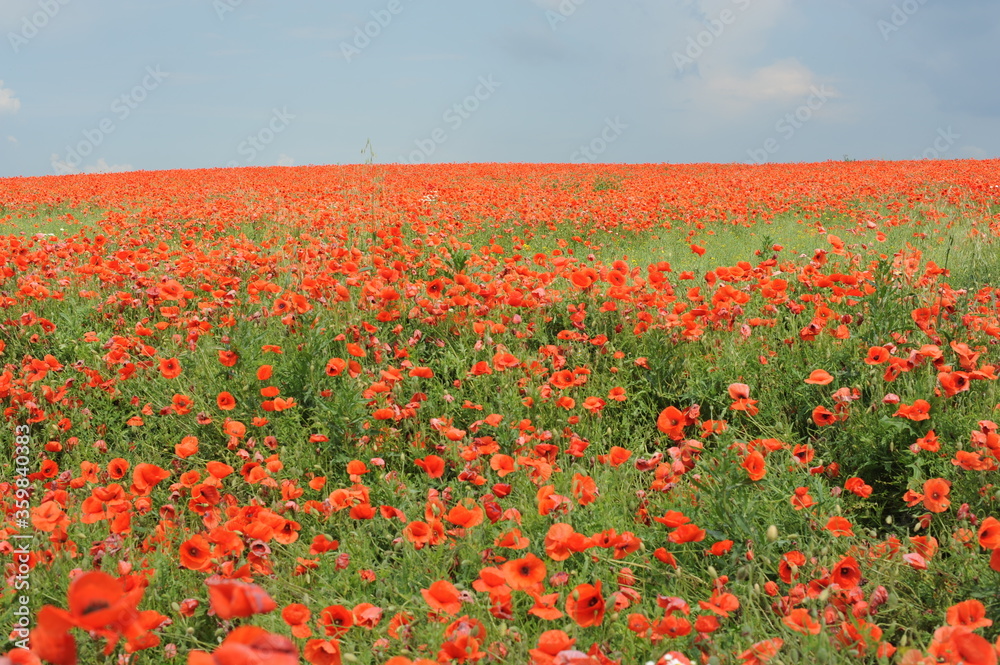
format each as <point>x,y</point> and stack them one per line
<point>521,413</point>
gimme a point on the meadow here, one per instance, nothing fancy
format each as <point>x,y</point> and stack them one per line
<point>536,414</point>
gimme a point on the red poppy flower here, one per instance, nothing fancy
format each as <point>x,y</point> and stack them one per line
<point>524,573</point>
<point>989,533</point>
<point>819,377</point>
<point>187,447</point>
<point>822,416</point>
<point>859,487</point>
<point>762,652</point>
<point>145,477</point>
<point>117,468</point>
<point>230,598</point>
<point>801,621</point>
<point>936,495</point>
<point>846,573</point>
<point>687,533</point>
<point>225,401</point>
<point>249,645</point>
<point>170,368</point>
<point>969,613</point>
<point>919,410</point>
<point>442,596</point>
<point>432,465</point>
<point>99,601</point>
<point>585,605</point>
<point>839,526</point>
<point>196,553</point>
<point>754,465</point>
<point>335,620</point>
<point>877,355</point>
<point>789,564</point>
<point>297,617</point>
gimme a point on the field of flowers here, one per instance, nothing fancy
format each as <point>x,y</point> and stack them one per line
<point>542,414</point>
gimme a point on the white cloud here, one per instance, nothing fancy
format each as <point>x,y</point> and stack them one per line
<point>734,93</point>
<point>103,167</point>
<point>972,152</point>
<point>8,102</point>
<point>285,160</point>
<point>11,139</point>
<point>100,166</point>
<point>13,13</point>
<point>783,81</point>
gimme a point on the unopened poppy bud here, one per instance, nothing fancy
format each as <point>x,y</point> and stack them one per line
<point>175,606</point>
<point>189,630</point>
<point>836,509</point>
<point>756,587</point>
<point>349,657</point>
<point>712,572</point>
<point>888,519</point>
<point>824,595</point>
<point>772,533</point>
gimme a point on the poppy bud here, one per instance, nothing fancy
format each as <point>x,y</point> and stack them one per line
<point>888,519</point>
<point>772,533</point>
<point>712,572</point>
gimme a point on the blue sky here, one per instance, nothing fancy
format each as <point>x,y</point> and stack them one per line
<point>161,84</point>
